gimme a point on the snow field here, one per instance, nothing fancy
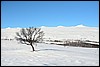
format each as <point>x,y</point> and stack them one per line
<point>15,54</point>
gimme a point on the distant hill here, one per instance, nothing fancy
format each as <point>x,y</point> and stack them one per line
<point>60,32</point>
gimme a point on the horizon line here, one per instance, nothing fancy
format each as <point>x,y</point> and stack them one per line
<point>81,25</point>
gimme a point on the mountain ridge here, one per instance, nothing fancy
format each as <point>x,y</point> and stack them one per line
<point>59,26</point>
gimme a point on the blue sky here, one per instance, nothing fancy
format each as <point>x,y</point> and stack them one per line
<point>49,13</point>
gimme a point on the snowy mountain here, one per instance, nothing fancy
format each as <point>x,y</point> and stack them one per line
<point>60,32</point>
<point>80,26</point>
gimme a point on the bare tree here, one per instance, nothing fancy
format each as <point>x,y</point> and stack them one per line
<point>30,36</point>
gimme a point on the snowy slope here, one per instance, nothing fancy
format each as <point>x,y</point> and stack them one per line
<point>77,32</point>
<point>60,33</point>
<point>9,33</point>
<point>16,54</point>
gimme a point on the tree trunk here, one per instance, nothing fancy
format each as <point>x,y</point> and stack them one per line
<point>32,47</point>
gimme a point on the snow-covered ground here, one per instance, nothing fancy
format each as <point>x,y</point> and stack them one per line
<point>16,54</point>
